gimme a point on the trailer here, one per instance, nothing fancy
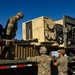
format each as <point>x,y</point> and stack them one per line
<point>42,31</point>
<point>52,34</point>
<point>18,67</point>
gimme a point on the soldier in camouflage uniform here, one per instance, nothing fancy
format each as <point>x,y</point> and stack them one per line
<point>62,63</point>
<point>10,33</point>
<point>43,60</point>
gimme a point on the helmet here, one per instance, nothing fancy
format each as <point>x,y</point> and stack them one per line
<point>61,51</point>
<point>43,49</point>
<point>20,14</point>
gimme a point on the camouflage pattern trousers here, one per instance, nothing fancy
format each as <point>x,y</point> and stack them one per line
<point>44,72</point>
<point>61,73</point>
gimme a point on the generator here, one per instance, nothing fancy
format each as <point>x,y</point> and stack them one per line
<point>42,28</point>
<point>60,33</point>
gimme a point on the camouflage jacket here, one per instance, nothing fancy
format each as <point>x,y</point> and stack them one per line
<point>44,62</point>
<point>11,27</point>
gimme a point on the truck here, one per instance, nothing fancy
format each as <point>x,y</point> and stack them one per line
<point>37,32</point>
<point>53,34</point>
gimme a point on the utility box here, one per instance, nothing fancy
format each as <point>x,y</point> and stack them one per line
<point>42,28</point>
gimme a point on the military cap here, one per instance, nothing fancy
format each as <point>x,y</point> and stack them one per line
<point>43,49</point>
<point>20,14</point>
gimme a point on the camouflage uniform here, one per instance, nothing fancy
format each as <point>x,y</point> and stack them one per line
<point>44,62</point>
<point>11,28</point>
<point>10,33</point>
